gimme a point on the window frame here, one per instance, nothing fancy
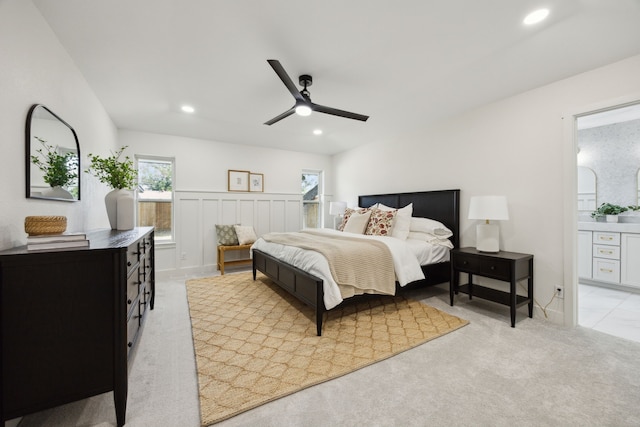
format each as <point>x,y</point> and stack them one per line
<point>172,161</point>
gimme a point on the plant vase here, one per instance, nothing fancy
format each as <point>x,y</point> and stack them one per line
<point>612,218</point>
<point>120,209</point>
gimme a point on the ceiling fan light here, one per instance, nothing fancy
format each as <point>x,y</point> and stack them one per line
<point>303,110</point>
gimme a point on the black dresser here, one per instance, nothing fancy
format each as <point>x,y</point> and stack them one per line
<point>70,319</point>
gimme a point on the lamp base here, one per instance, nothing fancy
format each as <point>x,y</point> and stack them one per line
<point>488,238</point>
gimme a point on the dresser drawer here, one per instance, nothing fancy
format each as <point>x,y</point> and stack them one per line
<point>133,256</point>
<point>466,263</point>
<point>133,288</point>
<point>606,270</point>
<point>132,330</point>
<point>606,238</point>
<point>496,268</point>
<point>604,251</point>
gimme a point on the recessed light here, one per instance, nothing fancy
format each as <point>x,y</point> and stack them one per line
<point>536,16</point>
<point>317,132</point>
<point>188,109</point>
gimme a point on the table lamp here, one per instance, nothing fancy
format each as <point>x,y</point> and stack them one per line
<point>337,209</point>
<point>488,208</point>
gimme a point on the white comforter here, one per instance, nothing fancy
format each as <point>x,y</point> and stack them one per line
<point>407,266</point>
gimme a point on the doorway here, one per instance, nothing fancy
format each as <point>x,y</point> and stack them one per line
<point>608,162</point>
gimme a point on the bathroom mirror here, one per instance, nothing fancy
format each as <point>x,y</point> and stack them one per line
<point>586,189</point>
<point>52,157</point>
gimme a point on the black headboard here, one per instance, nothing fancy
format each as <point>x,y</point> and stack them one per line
<point>441,205</point>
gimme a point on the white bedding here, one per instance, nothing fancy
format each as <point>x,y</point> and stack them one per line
<point>407,258</point>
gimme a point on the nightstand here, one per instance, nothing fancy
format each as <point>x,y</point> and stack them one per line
<point>506,266</point>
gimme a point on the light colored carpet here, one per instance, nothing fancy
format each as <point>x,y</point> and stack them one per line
<point>255,343</point>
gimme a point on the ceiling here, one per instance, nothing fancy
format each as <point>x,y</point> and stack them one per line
<point>405,64</point>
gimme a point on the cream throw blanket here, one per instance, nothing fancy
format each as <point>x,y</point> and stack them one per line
<point>354,263</point>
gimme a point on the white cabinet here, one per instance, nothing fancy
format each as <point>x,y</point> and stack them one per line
<point>606,257</point>
<point>630,259</point>
<point>585,251</point>
<point>609,253</point>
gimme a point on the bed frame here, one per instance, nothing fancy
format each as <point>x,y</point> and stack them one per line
<point>443,206</point>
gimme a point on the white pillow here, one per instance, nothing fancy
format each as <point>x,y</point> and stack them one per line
<point>357,222</point>
<point>426,225</point>
<point>430,238</point>
<point>246,234</point>
<point>402,221</point>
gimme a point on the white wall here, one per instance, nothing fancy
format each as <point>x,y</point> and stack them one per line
<point>202,199</point>
<point>513,147</point>
<point>35,68</point>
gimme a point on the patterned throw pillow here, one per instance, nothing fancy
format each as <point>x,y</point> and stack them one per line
<point>380,222</point>
<point>347,214</point>
<point>226,235</point>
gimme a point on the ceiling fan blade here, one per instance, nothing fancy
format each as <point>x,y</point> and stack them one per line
<point>339,113</point>
<point>279,69</point>
<point>281,116</point>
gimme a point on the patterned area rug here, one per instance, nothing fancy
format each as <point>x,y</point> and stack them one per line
<point>255,343</point>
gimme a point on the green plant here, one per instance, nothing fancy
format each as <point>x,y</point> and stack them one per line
<point>116,173</point>
<point>608,209</point>
<point>634,208</point>
<point>59,169</point>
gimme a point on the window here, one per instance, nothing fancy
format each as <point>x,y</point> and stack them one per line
<point>311,199</point>
<point>155,195</point>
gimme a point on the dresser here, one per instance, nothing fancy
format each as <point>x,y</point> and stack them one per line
<point>71,319</point>
<point>608,253</point>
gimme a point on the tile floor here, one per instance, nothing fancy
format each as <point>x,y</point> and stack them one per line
<point>610,311</point>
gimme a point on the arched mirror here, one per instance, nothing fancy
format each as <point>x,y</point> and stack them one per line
<point>52,157</point>
<point>586,189</point>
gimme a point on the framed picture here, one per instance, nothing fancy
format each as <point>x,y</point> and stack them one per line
<point>256,182</point>
<point>238,180</point>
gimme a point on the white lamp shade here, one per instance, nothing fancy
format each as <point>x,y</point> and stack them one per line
<point>337,208</point>
<point>488,207</point>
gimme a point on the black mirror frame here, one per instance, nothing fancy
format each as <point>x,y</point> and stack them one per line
<point>28,154</point>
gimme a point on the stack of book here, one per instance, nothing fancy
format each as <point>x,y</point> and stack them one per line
<point>57,241</point>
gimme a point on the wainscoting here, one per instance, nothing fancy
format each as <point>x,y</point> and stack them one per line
<point>197,213</point>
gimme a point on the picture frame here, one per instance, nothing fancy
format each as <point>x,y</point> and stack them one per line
<point>238,180</point>
<point>256,182</point>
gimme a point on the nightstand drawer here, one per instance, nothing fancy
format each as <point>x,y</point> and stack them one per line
<point>604,251</point>
<point>496,268</point>
<point>466,263</point>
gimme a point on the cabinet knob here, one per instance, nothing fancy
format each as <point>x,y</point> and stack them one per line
<point>129,344</point>
<point>128,301</point>
<point>493,267</point>
<point>465,262</point>
<point>128,263</point>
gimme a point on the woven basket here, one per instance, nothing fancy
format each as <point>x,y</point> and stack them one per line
<point>38,225</point>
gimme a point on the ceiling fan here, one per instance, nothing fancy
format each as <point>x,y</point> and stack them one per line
<point>303,105</point>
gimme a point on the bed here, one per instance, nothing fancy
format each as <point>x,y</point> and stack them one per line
<point>442,206</point>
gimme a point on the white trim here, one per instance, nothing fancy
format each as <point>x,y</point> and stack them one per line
<point>570,175</point>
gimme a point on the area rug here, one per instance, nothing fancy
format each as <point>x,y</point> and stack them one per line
<point>254,343</point>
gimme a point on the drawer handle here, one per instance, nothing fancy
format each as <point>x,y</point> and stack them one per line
<point>128,301</point>
<point>606,238</point>
<point>606,270</point>
<point>465,262</point>
<point>128,263</point>
<point>129,344</point>
<point>606,252</point>
<point>493,267</point>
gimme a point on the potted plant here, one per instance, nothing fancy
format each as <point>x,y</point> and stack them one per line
<point>608,210</point>
<point>59,169</point>
<point>121,176</point>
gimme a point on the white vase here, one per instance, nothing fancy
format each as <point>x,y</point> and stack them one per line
<point>126,211</point>
<point>111,203</point>
<point>612,218</point>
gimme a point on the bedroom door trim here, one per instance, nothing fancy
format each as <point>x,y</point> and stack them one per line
<point>570,189</point>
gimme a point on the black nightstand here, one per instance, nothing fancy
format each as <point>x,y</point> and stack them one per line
<point>506,266</point>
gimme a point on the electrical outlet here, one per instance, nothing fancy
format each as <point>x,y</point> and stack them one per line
<point>560,292</point>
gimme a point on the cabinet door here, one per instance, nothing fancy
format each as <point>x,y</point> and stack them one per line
<point>585,248</point>
<point>630,259</point>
